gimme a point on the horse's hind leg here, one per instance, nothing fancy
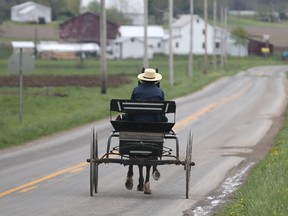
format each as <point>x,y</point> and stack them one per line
<point>141,178</point>
<point>147,189</point>
<point>129,179</point>
<point>155,173</point>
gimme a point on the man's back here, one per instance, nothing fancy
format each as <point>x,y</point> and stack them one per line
<point>147,90</point>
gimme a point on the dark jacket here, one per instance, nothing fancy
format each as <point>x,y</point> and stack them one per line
<point>147,91</point>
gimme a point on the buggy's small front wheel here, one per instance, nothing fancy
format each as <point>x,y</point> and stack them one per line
<point>93,162</point>
<point>188,161</point>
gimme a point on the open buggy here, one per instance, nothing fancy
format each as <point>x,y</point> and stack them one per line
<point>140,143</point>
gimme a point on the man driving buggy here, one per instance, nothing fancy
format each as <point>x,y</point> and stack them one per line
<point>148,89</point>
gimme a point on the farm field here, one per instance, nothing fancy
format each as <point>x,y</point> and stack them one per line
<point>278,32</point>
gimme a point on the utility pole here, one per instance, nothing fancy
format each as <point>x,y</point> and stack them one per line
<point>190,65</point>
<point>145,61</point>
<point>214,35</point>
<point>205,70</point>
<point>226,35</point>
<point>171,67</point>
<point>103,34</point>
<point>222,38</point>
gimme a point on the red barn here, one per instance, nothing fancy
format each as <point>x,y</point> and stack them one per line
<point>86,28</point>
<point>255,46</point>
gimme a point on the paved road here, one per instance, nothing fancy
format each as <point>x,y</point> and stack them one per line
<point>228,119</point>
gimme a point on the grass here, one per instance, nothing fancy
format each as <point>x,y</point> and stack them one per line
<point>265,192</point>
<point>242,21</point>
<point>44,114</point>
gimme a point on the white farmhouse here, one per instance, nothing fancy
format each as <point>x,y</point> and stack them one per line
<point>31,12</point>
<point>181,38</point>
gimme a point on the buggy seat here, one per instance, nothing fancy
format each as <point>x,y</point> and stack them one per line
<point>141,138</point>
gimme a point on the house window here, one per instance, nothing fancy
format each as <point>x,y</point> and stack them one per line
<point>176,44</point>
<point>203,45</point>
<point>159,45</point>
<point>217,45</point>
<point>132,39</point>
<point>203,32</point>
<point>197,20</point>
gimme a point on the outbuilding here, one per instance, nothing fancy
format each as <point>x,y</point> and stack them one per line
<point>129,47</point>
<point>86,28</point>
<point>255,47</point>
<point>26,46</point>
<point>155,35</point>
<point>31,12</point>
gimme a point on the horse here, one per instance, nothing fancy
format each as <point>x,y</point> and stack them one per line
<point>142,186</point>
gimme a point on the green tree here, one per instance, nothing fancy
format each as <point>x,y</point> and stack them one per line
<point>113,15</point>
<point>240,35</point>
<point>5,7</point>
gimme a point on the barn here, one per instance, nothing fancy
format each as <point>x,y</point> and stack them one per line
<point>255,46</point>
<point>85,28</point>
<point>31,12</point>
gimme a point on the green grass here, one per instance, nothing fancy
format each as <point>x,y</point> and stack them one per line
<point>45,114</point>
<point>265,192</point>
<point>242,21</point>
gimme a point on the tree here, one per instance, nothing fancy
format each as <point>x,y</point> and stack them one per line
<point>240,36</point>
<point>113,15</point>
<point>5,7</point>
<point>73,6</point>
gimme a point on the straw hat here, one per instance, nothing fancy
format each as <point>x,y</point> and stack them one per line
<point>150,75</point>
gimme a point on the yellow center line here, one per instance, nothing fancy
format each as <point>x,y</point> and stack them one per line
<point>32,183</point>
<point>27,189</point>
<point>184,122</point>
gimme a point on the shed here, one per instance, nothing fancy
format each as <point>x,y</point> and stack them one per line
<point>155,35</point>
<point>129,47</point>
<point>55,50</point>
<point>31,12</point>
<point>27,46</point>
<point>86,28</point>
<point>255,46</point>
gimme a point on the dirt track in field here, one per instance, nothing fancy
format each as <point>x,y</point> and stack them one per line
<point>47,81</point>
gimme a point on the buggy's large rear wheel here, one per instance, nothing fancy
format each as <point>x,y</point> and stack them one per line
<point>188,161</point>
<point>93,162</point>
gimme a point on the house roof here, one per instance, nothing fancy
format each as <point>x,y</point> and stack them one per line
<point>183,20</point>
<point>138,31</point>
<point>124,39</point>
<point>28,6</point>
<point>67,47</point>
<point>22,44</point>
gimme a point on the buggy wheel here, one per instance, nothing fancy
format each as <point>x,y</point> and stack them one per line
<point>188,161</point>
<point>93,163</point>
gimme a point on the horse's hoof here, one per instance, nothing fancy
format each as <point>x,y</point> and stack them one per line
<point>129,183</point>
<point>147,189</point>
<point>156,175</point>
<point>140,187</point>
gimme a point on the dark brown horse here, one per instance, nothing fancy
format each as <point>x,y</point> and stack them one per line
<point>142,186</point>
